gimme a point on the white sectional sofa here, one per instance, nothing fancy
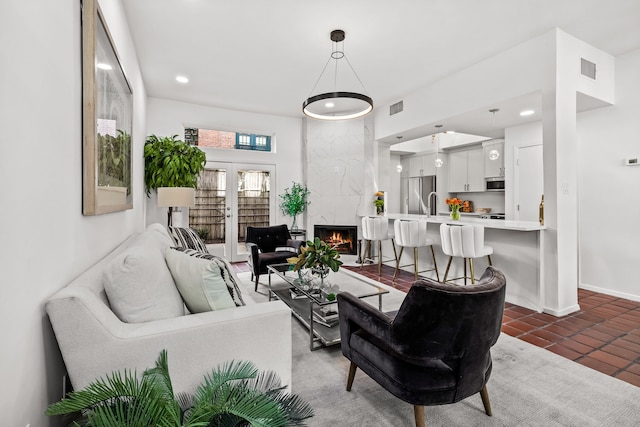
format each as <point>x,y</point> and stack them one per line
<point>94,341</point>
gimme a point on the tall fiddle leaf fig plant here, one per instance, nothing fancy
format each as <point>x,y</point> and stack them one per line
<point>169,162</point>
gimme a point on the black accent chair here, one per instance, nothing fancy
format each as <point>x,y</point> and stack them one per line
<point>269,245</point>
<point>435,349</point>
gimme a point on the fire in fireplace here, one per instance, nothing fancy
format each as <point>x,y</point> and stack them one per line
<point>342,237</point>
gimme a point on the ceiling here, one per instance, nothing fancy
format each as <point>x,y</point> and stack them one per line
<point>265,56</point>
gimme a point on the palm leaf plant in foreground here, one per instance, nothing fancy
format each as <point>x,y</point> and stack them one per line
<point>233,394</point>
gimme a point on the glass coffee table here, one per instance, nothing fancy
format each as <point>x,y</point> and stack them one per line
<point>307,298</point>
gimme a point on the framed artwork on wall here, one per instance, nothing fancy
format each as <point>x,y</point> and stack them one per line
<point>107,119</point>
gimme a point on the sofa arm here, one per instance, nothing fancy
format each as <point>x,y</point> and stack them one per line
<point>94,342</point>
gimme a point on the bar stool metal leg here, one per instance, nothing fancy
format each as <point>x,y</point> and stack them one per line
<point>435,265</point>
<point>380,257</point>
<point>473,279</point>
<point>398,263</point>
<point>446,273</point>
<point>464,262</point>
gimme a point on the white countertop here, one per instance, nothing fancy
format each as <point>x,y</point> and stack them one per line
<point>501,224</point>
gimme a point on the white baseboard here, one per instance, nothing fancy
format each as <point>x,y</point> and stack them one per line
<point>563,312</point>
<point>611,292</point>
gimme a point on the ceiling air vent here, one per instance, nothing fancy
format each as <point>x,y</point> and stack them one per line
<point>588,69</point>
<point>396,108</point>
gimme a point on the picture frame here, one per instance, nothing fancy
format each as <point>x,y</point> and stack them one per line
<point>107,119</point>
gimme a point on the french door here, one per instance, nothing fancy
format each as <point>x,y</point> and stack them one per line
<point>230,197</point>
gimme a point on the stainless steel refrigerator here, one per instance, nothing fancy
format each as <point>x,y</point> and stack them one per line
<point>415,192</point>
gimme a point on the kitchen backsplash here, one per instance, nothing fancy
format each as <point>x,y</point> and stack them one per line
<point>493,200</point>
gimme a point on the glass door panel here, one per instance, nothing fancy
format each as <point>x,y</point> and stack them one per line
<point>208,217</point>
<point>229,198</point>
<point>254,202</point>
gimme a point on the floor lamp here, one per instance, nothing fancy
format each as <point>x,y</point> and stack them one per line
<point>174,198</point>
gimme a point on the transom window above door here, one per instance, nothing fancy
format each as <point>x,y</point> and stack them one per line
<point>228,140</point>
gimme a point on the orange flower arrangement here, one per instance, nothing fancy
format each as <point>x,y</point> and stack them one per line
<point>456,204</point>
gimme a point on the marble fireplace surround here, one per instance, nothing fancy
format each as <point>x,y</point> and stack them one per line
<point>341,171</point>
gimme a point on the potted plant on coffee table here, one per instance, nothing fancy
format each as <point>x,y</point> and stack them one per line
<point>318,256</point>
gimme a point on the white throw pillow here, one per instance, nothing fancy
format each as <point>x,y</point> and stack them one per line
<point>199,281</point>
<point>139,286</point>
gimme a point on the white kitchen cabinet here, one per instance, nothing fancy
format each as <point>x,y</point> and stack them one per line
<point>466,171</point>
<point>422,165</point>
<point>493,159</point>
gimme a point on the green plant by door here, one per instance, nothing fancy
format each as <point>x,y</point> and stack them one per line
<point>294,201</point>
<point>169,162</point>
<point>234,394</point>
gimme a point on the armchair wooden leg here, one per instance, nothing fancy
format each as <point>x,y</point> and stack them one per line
<point>415,263</point>
<point>489,259</point>
<point>484,394</point>
<point>256,288</point>
<point>352,374</point>
<point>418,412</point>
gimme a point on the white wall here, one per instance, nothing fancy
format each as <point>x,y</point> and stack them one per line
<point>609,193</point>
<point>472,88</point>
<point>166,118</point>
<point>609,247</point>
<point>46,239</point>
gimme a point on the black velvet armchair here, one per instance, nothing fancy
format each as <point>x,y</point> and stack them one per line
<point>269,245</point>
<point>435,349</point>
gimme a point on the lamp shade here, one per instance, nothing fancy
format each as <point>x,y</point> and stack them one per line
<point>176,196</point>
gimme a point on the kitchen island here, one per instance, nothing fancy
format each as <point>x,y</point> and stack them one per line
<point>517,252</point>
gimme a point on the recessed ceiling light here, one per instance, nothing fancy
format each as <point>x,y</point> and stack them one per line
<point>329,105</point>
<point>526,113</point>
<point>182,79</point>
<point>103,66</point>
<point>449,131</point>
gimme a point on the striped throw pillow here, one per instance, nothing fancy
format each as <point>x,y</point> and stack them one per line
<point>187,238</point>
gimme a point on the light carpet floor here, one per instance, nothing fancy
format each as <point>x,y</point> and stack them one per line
<point>529,386</point>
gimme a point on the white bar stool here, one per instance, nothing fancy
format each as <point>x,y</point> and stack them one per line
<point>465,241</point>
<point>413,234</point>
<point>376,229</point>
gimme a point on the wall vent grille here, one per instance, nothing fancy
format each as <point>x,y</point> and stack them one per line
<point>588,69</point>
<point>396,108</point>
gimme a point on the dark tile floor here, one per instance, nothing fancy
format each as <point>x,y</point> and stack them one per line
<point>604,335</point>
